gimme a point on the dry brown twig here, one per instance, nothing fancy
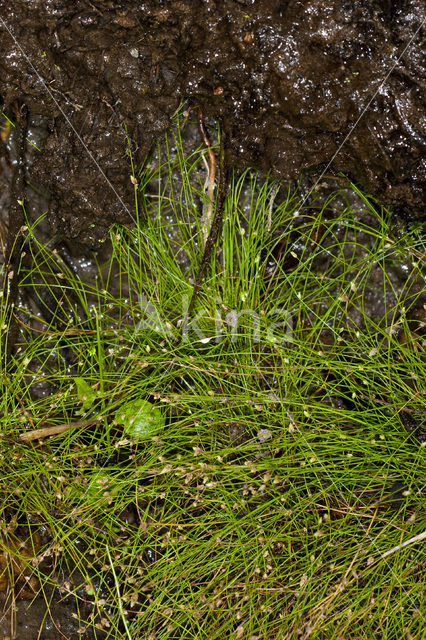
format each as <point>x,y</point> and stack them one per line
<point>210,181</point>
<point>45,432</point>
<point>216,224</point>
<point>274,192</point>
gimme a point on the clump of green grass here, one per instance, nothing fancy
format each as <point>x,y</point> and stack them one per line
<point>292,408</point>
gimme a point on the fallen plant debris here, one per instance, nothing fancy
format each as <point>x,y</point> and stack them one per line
<point>17,549</point>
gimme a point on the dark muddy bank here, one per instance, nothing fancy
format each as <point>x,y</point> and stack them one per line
<point>321,85</point>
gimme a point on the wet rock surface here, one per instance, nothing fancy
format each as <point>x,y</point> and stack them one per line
<point>301,86</point>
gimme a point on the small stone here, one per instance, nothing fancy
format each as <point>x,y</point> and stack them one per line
<point>134,53</point>
<point>264,435</point>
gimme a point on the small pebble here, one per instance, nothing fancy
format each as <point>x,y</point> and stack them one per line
<point>264,435</point>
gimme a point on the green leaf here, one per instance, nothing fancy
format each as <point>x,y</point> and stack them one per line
<point>85,393</point>
<point>140,418</point>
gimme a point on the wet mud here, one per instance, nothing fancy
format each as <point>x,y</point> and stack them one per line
<point>310,87</point>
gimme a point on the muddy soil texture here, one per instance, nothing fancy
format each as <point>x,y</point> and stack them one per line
<point>302,87</point>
